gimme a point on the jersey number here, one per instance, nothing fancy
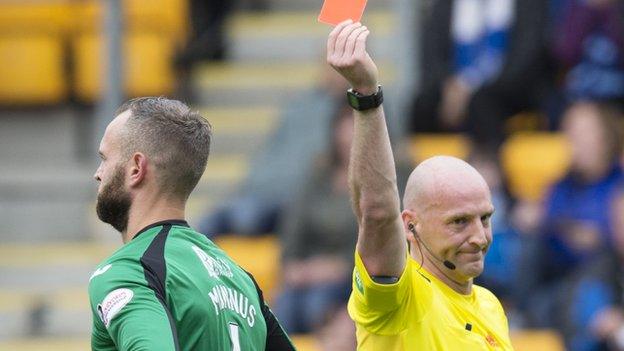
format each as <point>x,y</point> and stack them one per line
<point>234,337</point>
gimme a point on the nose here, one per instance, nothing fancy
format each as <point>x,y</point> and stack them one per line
<point>481,238</point>
<point>96,175</point>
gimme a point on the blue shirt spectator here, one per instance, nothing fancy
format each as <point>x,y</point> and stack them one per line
<point>562,289</point>
<point>577,208</point>
<point>589,44</point>
<point>480,31</point>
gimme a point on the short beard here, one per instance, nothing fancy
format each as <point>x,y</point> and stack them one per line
<point>113,203</point>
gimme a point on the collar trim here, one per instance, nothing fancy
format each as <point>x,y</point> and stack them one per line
<point>179,222</point>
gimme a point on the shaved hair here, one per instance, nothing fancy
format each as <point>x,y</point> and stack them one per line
<point>175,138</point>
<point>437,175</point>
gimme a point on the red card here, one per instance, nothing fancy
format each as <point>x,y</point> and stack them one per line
<point>336,11</point>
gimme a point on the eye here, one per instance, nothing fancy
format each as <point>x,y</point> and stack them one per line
<point>460,221</point>
<point>485,219</point>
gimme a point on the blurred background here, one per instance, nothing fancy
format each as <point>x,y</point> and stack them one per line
<point>529,91</point>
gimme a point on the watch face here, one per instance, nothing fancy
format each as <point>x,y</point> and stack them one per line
<point>353,101</point>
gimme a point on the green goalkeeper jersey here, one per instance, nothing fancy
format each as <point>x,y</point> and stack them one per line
<point>171,288</point>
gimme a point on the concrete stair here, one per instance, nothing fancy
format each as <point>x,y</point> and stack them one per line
<point>274,58</point>
<point>295,35</point>
<point>43,187</point>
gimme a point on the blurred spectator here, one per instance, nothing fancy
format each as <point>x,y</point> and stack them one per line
<point>484,61</point>
<point>279,169</point>
<point>207,33</point>
<point>207,40</point>
<point>338,331</point>
<point>608,324</point>
<point>589,48</point>
<point>318,237</point>
<point>577,230</point>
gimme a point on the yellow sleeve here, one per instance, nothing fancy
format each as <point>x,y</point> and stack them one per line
<point>379,308</point>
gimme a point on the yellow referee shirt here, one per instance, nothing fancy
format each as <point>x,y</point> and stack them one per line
<point>420,312</point>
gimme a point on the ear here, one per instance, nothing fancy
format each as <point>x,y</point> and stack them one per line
<point>409,216</point>
<point>138,169</point>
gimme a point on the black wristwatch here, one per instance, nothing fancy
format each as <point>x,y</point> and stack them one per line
<point>363,103</point>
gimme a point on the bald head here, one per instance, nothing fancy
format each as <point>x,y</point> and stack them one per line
<point>440,179</point>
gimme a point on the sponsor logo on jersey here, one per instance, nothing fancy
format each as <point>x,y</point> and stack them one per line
<point>491,340</point>
<point>215,266</point>
<point>358,281</point>
<point>100,271</point>
<point>113,303</point>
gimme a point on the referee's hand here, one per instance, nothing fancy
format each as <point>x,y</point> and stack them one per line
<point>346,53</point>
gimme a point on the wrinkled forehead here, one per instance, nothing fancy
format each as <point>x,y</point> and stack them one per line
<point>465,198</point>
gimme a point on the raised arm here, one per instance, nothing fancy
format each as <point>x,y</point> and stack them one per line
<point>372,175</point>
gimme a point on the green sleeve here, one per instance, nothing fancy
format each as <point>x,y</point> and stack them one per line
<point>100,340</point>
<point>130,316</point>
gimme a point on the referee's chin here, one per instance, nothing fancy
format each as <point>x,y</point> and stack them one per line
<point>472,269</point>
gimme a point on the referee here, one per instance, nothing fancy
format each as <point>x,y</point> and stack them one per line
<point>416,296</point>
<point>168,287</point>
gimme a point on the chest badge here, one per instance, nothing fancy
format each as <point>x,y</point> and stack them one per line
<point>491,341</point>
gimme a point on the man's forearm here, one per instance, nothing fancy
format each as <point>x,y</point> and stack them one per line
<point>372,178</point>
<point>372,175</point>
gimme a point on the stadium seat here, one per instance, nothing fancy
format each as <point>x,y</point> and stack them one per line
<point>536,340</point>
<point>30,17</point>
<point>533,161</point>
<point>305,342</point>
<point>167,17</point>
<point>32,69</point>
<point>527,121</point>
<point>260,256</point>
<point>146,70</point>
<point>423,146</point>
<point>32,56</point>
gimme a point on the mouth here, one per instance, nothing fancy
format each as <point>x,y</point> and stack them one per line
<point>472,255</point>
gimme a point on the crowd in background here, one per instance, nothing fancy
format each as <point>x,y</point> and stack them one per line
<point>555,263</point>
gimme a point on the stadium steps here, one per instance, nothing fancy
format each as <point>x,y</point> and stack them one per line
<point>57,343</point>
<point>274,57</point>
<point>43,188</point>
<point>261,83</point>
<point>47,283</point>
<point>292,35</point>
<point>55,312</point>
<point>240,129</point>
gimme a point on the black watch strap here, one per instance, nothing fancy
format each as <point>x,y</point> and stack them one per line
<point>361,102</point>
